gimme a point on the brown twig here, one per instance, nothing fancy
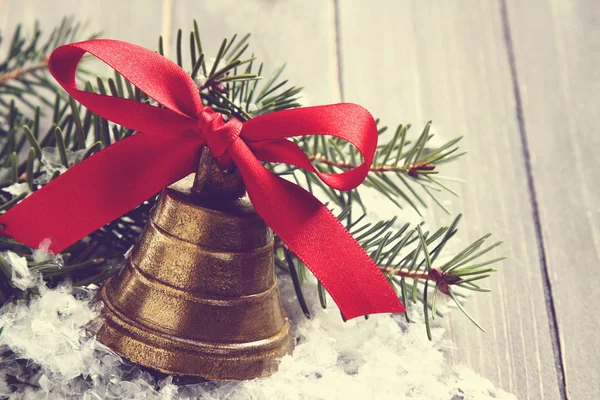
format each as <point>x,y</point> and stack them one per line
<point>436,275</point>
<point>404,273</point>
<point>411,169</point>
<point>23,71</point>
<point>442,279</point>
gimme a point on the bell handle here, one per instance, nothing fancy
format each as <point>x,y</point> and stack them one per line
<point>211,182</point>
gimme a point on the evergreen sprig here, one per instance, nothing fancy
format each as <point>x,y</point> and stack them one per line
<point>23,71</point>
<point>229,82</point>
<point>400,168</point>
<point>410,260</point>
<point>33,151</point>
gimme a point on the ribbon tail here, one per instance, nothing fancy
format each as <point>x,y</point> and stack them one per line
<point>100,189</point>
<point>316,236</point>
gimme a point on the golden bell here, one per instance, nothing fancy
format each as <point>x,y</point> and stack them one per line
<point>198,294</point>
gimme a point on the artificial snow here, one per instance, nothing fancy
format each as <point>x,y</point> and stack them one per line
<point>51,162</point>
<point>21,277</point>
<point>17,189</point>
<point>384,357</point>
<point>43,254</point>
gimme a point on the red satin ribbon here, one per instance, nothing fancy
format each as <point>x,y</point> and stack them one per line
<point>122,176</point>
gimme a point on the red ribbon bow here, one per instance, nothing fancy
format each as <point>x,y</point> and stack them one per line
<point>122,176</point>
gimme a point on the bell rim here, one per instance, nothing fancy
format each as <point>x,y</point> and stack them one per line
<point>139,344</point>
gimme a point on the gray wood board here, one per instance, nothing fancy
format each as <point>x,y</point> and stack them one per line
<point>557,57</point>
<point>295,32</point>
<point>115,19</point>
<point>446,61</point>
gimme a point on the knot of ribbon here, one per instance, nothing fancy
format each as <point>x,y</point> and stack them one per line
<point>166,148</point>
<point>219,135</point>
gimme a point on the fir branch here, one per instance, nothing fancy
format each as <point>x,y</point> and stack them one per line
<point>21,72</point>
<point>24,72</point>
<point>232,85</point>
<point>400,166</point>
<point>404,255</point>
<point>411,170</point>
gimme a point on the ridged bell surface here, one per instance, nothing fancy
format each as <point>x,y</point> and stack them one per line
<point>198,294</point>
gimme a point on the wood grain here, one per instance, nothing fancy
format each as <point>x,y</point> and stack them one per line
<point>446,61</point>
<point>557,57</point>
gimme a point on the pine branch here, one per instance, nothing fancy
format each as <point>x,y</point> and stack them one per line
<point>21,72</point>
<point>231,84</point>
<point>400,167</point>
<point>408,255</point>
<point>73,135</point>
<point>411,170</point>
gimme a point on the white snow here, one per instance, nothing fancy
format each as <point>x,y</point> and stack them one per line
<point>43,254</point>
<point>378,358</point>
<point>51,163</point>
<point>17,189</point>
<point>21,276</point>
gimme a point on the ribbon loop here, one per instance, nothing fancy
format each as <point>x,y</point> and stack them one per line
<point>107,185</point>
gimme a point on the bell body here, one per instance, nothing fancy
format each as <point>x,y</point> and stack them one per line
<point>198,294</point>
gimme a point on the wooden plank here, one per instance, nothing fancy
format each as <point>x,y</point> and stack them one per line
<point>137,21</point>
<point>446,61</point>
<point>297,32</point>
<point>3,16</point>
<point>557,54</point>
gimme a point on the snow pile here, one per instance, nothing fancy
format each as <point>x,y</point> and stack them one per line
<point>21,276</point>
<point>17,189</point>
<point>56,357</point>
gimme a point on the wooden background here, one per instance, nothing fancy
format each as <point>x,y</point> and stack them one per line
<point>520,79</point>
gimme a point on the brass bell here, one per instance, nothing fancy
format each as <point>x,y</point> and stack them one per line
<point>198,295</point>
